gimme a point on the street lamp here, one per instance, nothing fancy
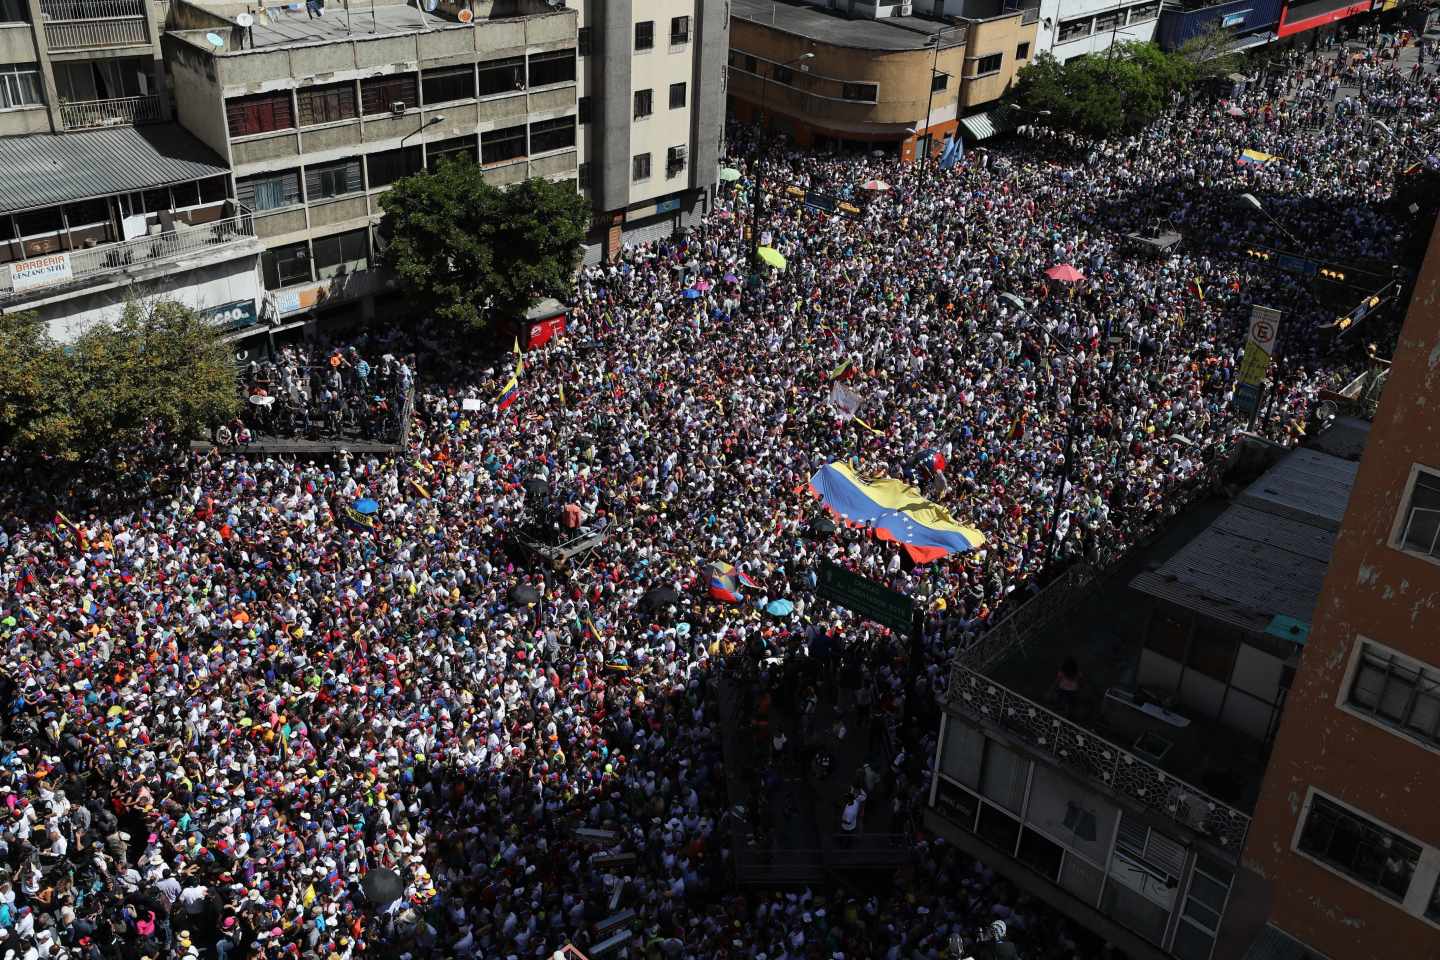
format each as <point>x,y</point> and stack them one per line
<point>422,128</point>
<point>935,71</point>
<point>759,201</point>
<point>1253,202</point>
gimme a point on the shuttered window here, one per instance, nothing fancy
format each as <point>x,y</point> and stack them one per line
<point>269,191</point>
<point>505,144</point>
<point>557,66</point>
<point>502,76</point>
<point>379,94</point>
<point>445,151</point>
<point>335,101</point>
<point>552,134</point>
<point>333,179</point>
<point>449,83</point>
<point>259,114</point>
<point>387,166</point>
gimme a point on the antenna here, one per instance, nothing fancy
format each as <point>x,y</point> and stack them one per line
<point>245,21</point>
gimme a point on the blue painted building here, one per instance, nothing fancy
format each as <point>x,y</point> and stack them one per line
<point>1245,19</point>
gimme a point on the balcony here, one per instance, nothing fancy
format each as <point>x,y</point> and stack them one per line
<point>95,24</point>
<point>142,252</point>
<point>120,111</point>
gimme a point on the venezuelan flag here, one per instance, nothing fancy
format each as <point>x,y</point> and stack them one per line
<point>1254,158</point>
<point>896,511</point>
<point>511,391</point>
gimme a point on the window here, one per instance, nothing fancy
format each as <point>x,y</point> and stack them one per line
<point>558,66</point>
<point>214,190</point>
<point>863,92</point>
<point>645,35</point>
<point>259,114</point>
<point>269,191</point>
<point>640,167</point>
<point>1146,11</point>
<point>582,176</point>
<point>1432,909</point>
<point>783,74</point>
<point>582,110</point>
<point>1073,29</point>
<point>750,65</point>
<point>342,254</point>
<point>552,134</point>
<point>939,81</point>
<point>1107,22</point>
<point>1398,692</point>
<point>644,103</point>
<point>502,76</point>
<point>1358,847</point>
<point>678,93</point>
<point>679,29</point>
<point>381,94</point>
<point>449,151</point>
<point>20,85</point>
<point>14,11</point>
<point>1419,530</point>
<point>387,166</point>
<point>990,64</point>
<point>1022,52</point>
<point>448,84</point>
<point>327,104</point>
<point>333,179</point>
<point>583,41</point>
<point>674,161</point>
<point>286,266</point>
<point>505,144</point>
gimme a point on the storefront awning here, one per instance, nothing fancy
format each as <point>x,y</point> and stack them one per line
<point>982,126</point>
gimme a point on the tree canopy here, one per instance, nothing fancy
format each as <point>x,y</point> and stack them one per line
<point>1105,95</point>
<point>159,364</point>
<point>474,252</point>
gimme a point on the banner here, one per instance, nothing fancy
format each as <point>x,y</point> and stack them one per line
<point>40,272</point>
<point>845,401</point>
<point>1259,348</point>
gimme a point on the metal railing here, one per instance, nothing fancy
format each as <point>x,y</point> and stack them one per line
<point>1073,746</point>
<point>1016,629</point>
<point>116,112</point>
<point>87,24</point>
<point>150,249</point>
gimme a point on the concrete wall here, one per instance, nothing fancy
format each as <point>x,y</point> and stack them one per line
<point>612,34</point>
<point>708,83</point>
<point>815,105</point>
<point>1372,591</point>
<point>655,70</point>
<point>1139,25</point>
<point>1003,36</point>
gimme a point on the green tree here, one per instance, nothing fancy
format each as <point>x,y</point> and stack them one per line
<point>158,364</point>
<point>1209,53</point>
<point>473,251</point>
<point>1105,95</point>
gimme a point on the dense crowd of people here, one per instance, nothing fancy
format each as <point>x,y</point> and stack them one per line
<point>303,392</point>
<point>230,712</point>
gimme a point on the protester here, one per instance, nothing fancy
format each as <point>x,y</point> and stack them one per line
<point>232,710</point>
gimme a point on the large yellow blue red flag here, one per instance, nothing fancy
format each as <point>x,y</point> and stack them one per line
<point>896,511</point>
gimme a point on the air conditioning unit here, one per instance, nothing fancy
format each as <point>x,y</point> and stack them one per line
<point>676,160</point>
<point>397,107</point>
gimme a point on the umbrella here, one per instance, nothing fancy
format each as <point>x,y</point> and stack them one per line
<point>524,593</point>
<point>1064,273</point>
<point>773,257</point>
<point>535,487</point>
<point>691,293</point>
<point>823,527</point>
<point>365,507</point>
<point>779,608</point>
<point>729,174</point>
<point>1235,111</point>
<point>878,186</point>
<point>382,887</point>
<point>658,598</point>
<point>731,278</point>
<point>262,401</point>
<point>1013,299</point>
<point>703,285</point>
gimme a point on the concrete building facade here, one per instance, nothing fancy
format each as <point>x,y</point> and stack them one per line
<point>317,117</point>
<point>1346,835</point>
<point>652,115</point>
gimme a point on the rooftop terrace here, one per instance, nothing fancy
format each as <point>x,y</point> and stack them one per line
<point>832,27</point>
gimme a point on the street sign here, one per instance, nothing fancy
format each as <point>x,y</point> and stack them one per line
<point>871,600</point>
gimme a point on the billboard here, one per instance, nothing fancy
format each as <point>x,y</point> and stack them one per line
<point>1259,348</point>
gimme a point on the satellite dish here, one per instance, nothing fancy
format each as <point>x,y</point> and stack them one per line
<point>215,40</point>
<point>466,16</point>
<point>244,20</point>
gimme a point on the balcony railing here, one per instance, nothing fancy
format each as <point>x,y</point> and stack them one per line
<point>142,251</point>
<point>120,111</point>
<point>91,24</point>
<point>1081,750</point>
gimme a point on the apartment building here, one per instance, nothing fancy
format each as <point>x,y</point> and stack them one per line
<point>1127,803</point>
<point>317,116</point>
<point>1345,834</point>
<point>652,112</point>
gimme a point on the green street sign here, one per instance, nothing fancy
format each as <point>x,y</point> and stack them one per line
<point>871,600</point>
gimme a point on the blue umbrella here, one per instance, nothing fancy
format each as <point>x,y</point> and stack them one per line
<point>779,608</point>
<point>691,293</point>
<point>366,507</point>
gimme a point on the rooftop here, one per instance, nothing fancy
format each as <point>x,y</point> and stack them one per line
<point>825,26</point>
<point>1266,555</point>
<point>45,169</point>
<point>289,26</point>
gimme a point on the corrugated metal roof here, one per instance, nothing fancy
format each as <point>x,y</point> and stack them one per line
<point>982,126</point>
<point>42,170</point>
<point>1266,555</point>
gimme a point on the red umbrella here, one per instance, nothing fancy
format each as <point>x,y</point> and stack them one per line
<point>1064,273</point>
